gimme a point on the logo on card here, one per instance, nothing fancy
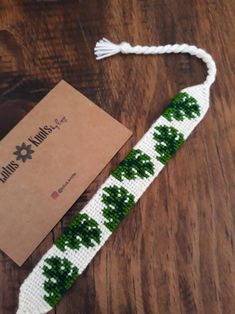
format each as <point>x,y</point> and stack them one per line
<point>24,152</point>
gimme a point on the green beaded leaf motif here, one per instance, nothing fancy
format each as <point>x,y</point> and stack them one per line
<point>118,201</point>
<point>60,274</point>
<point>136,164</point>
<point>182,106</point>
<point>168,141</point>
<point>83,230</point>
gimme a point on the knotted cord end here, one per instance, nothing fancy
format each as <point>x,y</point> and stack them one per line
<point>105,48</point>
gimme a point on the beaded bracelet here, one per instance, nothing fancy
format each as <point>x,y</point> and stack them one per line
<point>86,234</point>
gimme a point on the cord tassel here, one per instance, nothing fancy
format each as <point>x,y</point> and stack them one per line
<point>105,48</point>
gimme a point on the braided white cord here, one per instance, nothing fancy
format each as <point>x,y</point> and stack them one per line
<point>105,48</point>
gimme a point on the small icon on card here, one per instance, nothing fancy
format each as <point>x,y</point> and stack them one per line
<point>55,194</point>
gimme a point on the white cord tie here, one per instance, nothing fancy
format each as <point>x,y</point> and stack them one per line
<point>125,47</point>
<point>105,48</point>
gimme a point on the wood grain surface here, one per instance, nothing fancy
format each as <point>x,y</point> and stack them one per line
<point>174,253</point>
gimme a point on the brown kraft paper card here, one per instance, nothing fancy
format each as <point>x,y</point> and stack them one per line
<point>47,161</point>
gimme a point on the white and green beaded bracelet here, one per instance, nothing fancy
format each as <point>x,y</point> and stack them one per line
<point>86,234</point>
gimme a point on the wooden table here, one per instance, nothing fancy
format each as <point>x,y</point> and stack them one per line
<point>174,253</point>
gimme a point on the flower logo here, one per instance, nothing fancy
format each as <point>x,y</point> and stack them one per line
<point>23,152</point>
